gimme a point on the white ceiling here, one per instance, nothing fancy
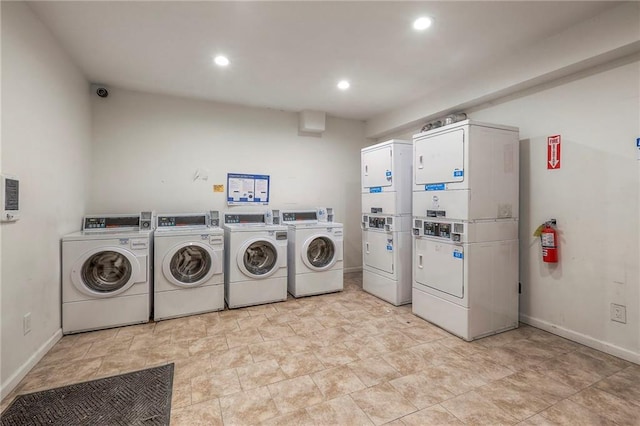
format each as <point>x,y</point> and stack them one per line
<point>290,55</point>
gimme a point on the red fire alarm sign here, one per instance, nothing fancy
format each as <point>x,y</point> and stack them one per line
<point>553,152</point>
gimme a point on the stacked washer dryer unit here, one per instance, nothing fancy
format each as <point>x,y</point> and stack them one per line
<point>314,252</point>
<point>386,220</point>
<point>255,259</point>
<point>189,255</point>
<point>465,254</point>
<point>106,272</point>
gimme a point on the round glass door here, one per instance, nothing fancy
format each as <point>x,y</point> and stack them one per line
<point>260,258</point>
<point>190,264</point>
<point>106,272</point>
<point>321,252</point>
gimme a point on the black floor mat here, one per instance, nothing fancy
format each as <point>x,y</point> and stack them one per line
<point>139,398</point>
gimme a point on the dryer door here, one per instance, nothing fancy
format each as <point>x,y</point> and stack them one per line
<point>439,158</point>
<point>440,266</point>
<point>258,258</point>
<point>319,252</point>
<point>190,264</point>
<point>377,250</point>
<point>106,272</point>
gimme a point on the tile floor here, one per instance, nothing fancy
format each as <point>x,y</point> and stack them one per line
<point>351,359</point>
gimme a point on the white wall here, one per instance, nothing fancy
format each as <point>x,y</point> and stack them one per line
<point>45,142</point>
<point>147,149</point>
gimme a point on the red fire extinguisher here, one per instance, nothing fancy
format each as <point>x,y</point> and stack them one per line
<point>549,240</point>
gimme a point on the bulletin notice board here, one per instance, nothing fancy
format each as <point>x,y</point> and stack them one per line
<point>247,190</point>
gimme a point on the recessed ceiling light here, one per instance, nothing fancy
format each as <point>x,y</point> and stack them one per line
<point>343,85</point>
<point>221,60</point>
<point>422,23</point>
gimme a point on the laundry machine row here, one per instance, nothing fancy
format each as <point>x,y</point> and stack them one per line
<point>122,269</point>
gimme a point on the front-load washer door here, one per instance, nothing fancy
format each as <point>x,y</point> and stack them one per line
<point>106,272</point>
<point>258,258</point>
<point>319,252</point>
<point>190,264</point>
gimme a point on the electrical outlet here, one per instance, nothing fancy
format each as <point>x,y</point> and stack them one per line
<point>619,313</point>
<point>26,323</point>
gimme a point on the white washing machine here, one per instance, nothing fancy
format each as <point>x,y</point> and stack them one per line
<point>188,273</point>
<point>255,260</point>
<point>315,254</point>
<point>386,257</point>
<point>106,273</point>
<point>465,275</point>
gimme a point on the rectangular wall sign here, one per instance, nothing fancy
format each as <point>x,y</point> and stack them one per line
<point>553,152</point>
<point>245,189</point>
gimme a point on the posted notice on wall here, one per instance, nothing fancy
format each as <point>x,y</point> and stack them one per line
<point>246,189</point>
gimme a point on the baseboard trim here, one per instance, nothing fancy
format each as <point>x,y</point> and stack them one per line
<point>13,381</point>
<point>353,269</point>
<point>582,339</point>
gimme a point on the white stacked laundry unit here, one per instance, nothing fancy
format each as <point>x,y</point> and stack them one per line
<point>465,228</point>
<point>386,220</point>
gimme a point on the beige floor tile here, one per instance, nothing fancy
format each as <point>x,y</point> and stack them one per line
<point>230,358</point>
<point>405,361</point>
<point>299,418</point>
<point>449,377</point>
<point>479,366</point>
<point>565,369</point>
<point>206,413</point>
<point>233,314</point>
<point>91,336</point>
<point>625,384</point>
<point>180,395</point>
<point>300,364</point>
<point>275,331</point>
<point>260,374</point>
<point>338,381</point>
<point>436,415</point>
<point>66,354</point>
<point>189,333</point>
<point>537,350</point>
<point>617,409</point>
<point>512,399</point>
<point>301,343</point>
<point>569,413</point>
<point>122,362</point>
<point>373,371</point>
<point>382,403</point>
<point>600,362</point>
<point>395,341</point>
<point>272,349</point>
<point>223,327</point>
<point>207,345</point>
<point>472,408</point>
<point>540,385</point>
<point>243,337</point>
<point>164,353</point>
<point>424,334</point>
<point>135,330</point>
<point>306,325</point>
<point>260,309</point>
<point>282,317</point>
<point>214,385</point>
<point>512,360</point>
<point>107,347</point>
<point>553,342</point>
<point>420,391</point>
<point>330,336</point>
<point>435,353</point>
<point>170,325</point>
<point>338,411</point>
<point>146,341</point>
<point>248,408</point>
<point>187,368</point>
<point>335,355</point>
<point>461,347</point>
<point>294,394</point>
<point>367,347</point>
<point>507,337</point>
<point>253,322</point>
<point>333,320</point>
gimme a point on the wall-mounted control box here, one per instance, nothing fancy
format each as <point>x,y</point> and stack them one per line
<point>10,198</point>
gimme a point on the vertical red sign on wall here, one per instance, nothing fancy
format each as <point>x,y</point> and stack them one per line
<point>553,152</point>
